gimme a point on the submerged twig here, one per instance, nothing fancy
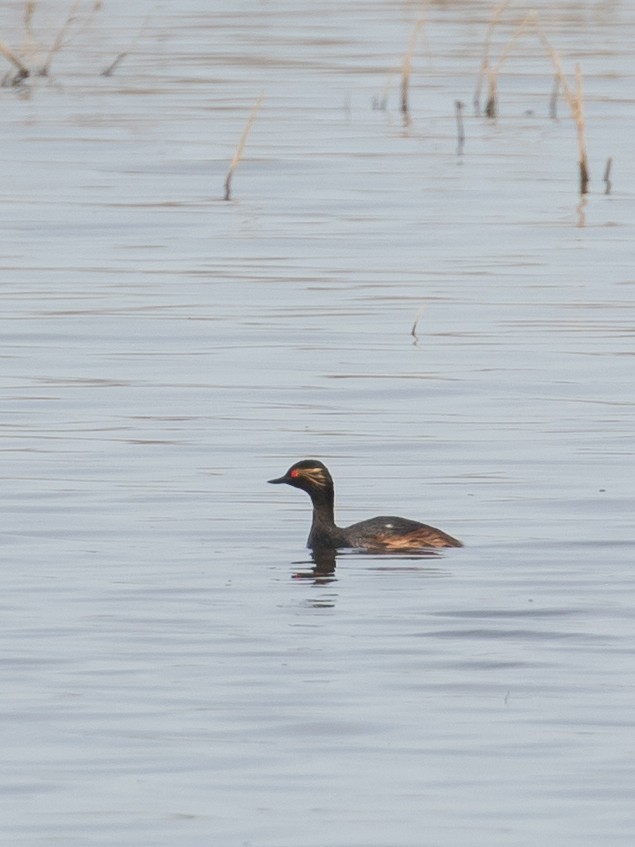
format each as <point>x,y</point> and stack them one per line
<point>553,102</point>
<point>413,331</point>
<point>381,103</point>
<point>241,146</point>
<point>458,107</point>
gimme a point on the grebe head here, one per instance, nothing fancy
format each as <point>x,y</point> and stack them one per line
<point>310,475</point>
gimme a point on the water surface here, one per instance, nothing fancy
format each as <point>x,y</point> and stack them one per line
<point>174,669</point>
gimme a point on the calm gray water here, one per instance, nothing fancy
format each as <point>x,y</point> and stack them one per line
<point>174,670</point>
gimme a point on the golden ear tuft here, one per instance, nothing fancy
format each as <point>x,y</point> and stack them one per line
<point>315,476</point>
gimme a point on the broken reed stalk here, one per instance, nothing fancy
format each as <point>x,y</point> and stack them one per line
<point>485,63</point>
<point>22,70</point>
<point>407,63</point>
<point>607,175</point>
<point>241,146</point>
<point>458,107</point>
<point>413,331</point>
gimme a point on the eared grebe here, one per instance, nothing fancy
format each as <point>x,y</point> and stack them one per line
<point>376,534</point>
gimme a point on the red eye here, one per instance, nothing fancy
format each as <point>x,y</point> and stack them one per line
<point>295,474</point>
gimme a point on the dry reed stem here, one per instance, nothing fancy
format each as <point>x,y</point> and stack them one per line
<point>108,71</point>
<point>581,127</point>
<point>575,101</point>
<point>407,63</point>
<point>61,40</point>
<point>29,11</point>
<point>241,146</point>
<point>491,108</point>
<point>485,63</point>
<point>491,105</point>
<point>23,71</point>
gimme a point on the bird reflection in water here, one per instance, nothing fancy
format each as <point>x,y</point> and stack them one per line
<point>324,562</point>
<point>322,572</point>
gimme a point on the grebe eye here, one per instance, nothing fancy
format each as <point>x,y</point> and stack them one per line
<point>294,474</point>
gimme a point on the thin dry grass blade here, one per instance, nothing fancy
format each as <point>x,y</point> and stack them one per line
<point>407,63</point>
<point>241,146</point>
<point>111,67</point>
<point>485,62</point>
<point>491,107</point>
<point>61,39</point>
<point>108,71</point>
<point>29,11</point>
<point>531,18</point>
